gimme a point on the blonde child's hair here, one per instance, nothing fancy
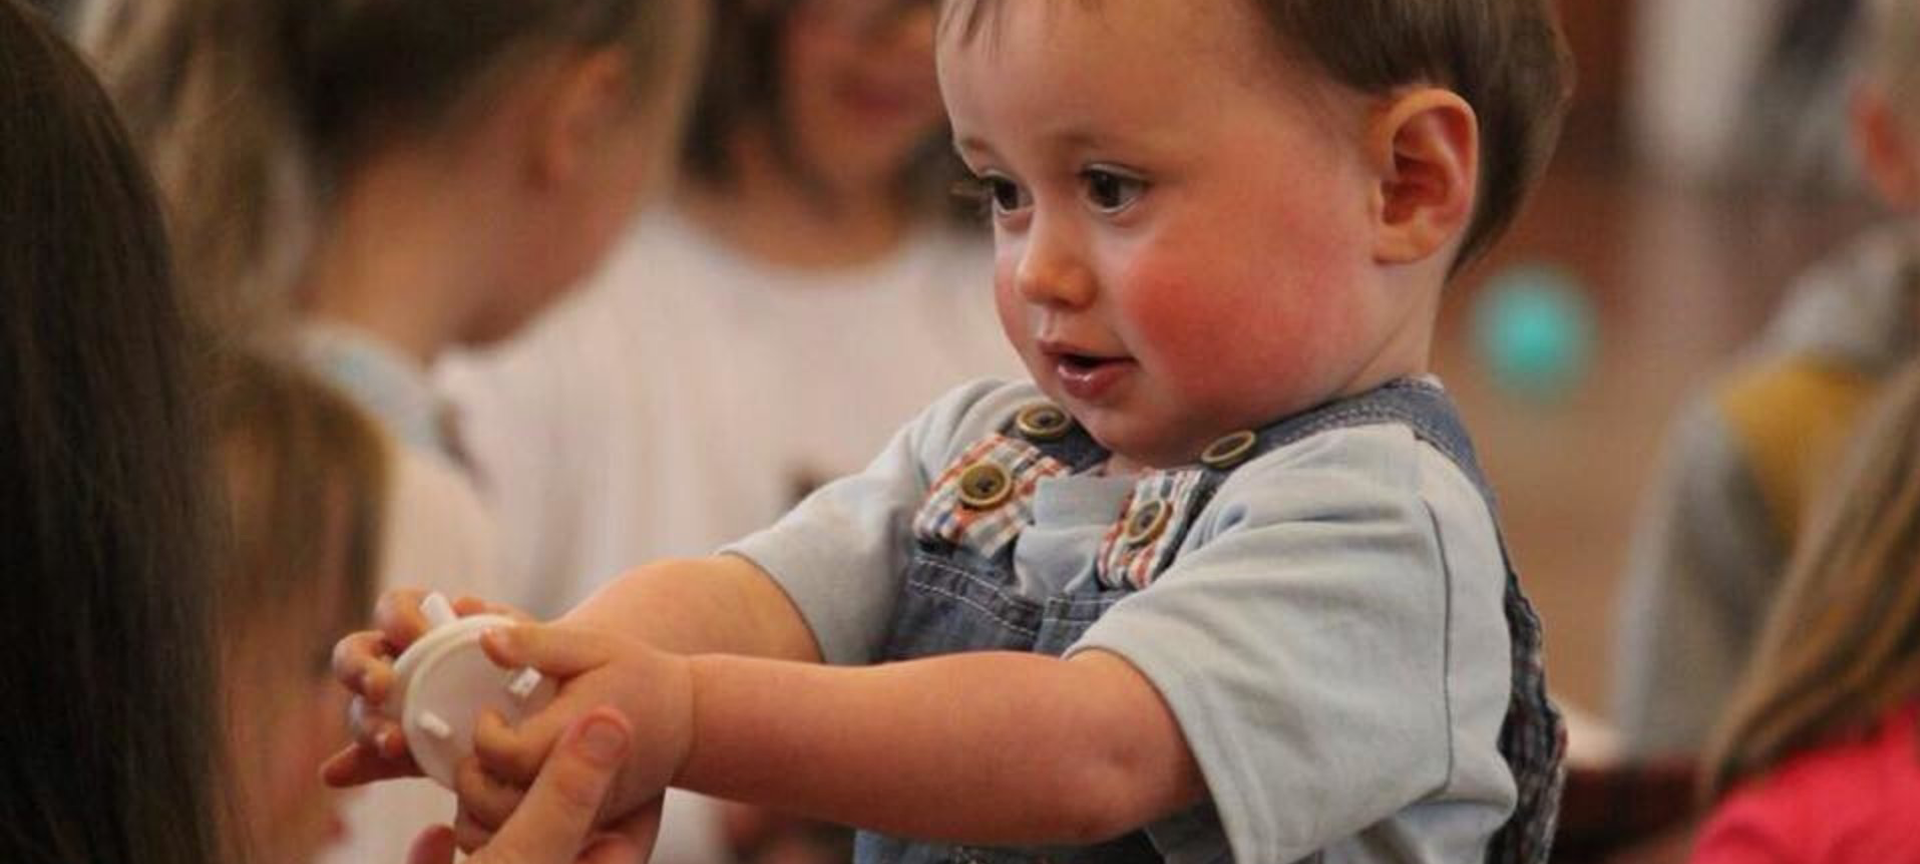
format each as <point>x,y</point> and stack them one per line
<point>250,111</point>
<point>304,469</point>
<point>1841,646</point>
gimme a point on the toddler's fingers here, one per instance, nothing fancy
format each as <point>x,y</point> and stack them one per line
<point>515,755</point>
<point>466,606</point>
<point>487,799</point>
<point>562,652</point>
<point>362,664</point>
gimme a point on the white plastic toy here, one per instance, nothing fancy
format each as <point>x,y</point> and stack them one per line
<point>445,680</point>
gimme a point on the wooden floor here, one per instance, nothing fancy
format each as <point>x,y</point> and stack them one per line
<point>1678,280</point>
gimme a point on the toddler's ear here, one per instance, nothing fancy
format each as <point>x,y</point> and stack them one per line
<point>1424,147</point>
<point>1884,139</point>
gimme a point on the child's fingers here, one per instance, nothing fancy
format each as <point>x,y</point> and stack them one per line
<point>558,651</point>
<point>375,731</point>
<point>357,766</point>
<point>488,800</point>
<point>515,755</point>
<point>362,664</point>
<point>398,617</point>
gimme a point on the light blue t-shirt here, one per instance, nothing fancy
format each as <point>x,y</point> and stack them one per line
<point>1331,637</point>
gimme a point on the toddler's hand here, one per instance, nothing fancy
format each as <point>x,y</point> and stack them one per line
<point>650,687</point>
<point>363,663</point>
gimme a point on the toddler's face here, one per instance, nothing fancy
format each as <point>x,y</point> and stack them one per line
<point>1181,222</point>
<point>284,717</point>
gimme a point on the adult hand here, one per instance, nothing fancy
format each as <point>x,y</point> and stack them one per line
<point>555,822</point>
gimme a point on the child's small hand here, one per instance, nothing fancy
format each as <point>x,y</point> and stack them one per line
<point>651,687</point>
<point>363,663</point>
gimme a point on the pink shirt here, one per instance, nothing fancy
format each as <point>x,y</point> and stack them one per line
<point>1852,803</point>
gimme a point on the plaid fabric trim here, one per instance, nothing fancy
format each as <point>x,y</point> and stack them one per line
<point>1129,559</point>
<point>945,518</point>
<point>1534,741</point>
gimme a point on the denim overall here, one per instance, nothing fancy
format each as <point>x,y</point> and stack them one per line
<point>959,589</point>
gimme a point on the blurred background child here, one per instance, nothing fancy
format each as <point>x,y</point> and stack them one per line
<point>386,180</point>
<point>1745,457</point>
<point>811,244</point>
<point>372,183</point>
<point>305,480</point>
<point>1818,758</point>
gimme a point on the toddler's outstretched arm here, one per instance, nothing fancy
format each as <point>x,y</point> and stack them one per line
<point>992,748</point>
<point>720,604</point>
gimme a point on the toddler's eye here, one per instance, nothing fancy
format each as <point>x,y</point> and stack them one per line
<point>1007,196</point>
<point>1110,191</point>
<point>992,193</point>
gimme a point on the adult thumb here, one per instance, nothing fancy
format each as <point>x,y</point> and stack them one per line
<point>556,820</point>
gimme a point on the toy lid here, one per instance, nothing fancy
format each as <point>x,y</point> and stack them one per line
<point>445,680</point>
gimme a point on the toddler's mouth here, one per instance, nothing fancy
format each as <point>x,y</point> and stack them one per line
<point>1081,363</point>
<point>1088,376</point>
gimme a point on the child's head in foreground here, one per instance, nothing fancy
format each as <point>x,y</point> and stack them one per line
<point>305,479</point>
<point>1212,215</point>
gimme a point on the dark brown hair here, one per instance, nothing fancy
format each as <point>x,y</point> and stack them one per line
<point>1506,58</point>
<point>250,111</point>
<point>108,748</point>
<point>1842,642</point>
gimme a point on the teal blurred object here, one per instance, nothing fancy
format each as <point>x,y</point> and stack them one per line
<point>1534,328</point>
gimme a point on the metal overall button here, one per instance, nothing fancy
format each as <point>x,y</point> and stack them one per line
<point>1229,450</point>
<point>1147,522</point>
<point>1043,422</point>
<point>985,485</point>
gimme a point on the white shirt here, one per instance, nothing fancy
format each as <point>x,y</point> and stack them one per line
<point>688,397</point>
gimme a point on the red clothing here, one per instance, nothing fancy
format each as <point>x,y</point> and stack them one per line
<point>1856,802</point>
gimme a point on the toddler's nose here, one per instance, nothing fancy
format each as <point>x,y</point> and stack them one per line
<point>1052,270</point>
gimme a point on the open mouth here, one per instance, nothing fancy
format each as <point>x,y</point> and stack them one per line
<point>1081,363</point>
<point>1088,376</point>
